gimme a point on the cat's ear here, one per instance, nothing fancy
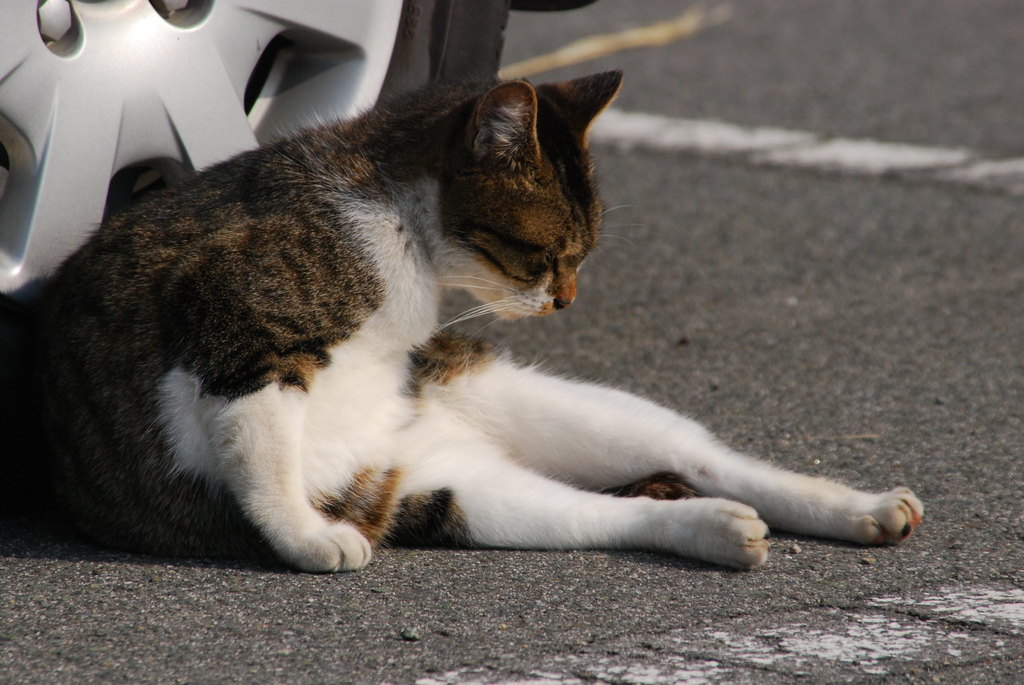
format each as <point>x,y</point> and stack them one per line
<point>504,126</point>
<point>581,100</point>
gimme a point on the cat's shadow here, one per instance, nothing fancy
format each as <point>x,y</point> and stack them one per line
<point>44,534</point>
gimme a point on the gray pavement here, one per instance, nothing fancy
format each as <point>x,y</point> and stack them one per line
<point>867,329</point>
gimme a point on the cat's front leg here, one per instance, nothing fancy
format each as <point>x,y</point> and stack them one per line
<point>259,439</point>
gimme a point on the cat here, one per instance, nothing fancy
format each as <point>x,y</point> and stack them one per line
<point>249,366</point>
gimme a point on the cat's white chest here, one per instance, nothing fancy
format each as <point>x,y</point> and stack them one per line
<point>354,411</point>
<point>359,403</point>
<point>356,407</point>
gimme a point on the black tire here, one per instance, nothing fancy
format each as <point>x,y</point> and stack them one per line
<point>23,465</point>
<point>446,40</point>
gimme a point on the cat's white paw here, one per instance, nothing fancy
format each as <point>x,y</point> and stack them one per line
<point>891,518</point>
<point>722,532</point>
<point>330,548</point>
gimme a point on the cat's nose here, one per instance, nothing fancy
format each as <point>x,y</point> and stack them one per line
<point>564,290</point>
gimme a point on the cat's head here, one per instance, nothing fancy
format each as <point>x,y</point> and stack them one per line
<point>519,196</point>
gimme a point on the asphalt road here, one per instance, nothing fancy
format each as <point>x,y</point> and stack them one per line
<point>864,328</point>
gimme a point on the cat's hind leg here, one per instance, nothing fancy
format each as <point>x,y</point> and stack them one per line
<point>600,438</point>
<point>459,488</point>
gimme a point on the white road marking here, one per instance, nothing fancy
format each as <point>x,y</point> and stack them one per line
<point>867,643</point>
<point>856,644</point>
<point>1004,174</point>
<point>849,644</point>
<point>976,605</point>
<point>629,129</point>
<point>980,171</point>
<point>867,156</point>
<point>783,147</point>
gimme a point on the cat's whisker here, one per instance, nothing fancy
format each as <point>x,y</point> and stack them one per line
<point>477,287</point>
<point>464,318</point>
<point>485,327</point>
<point>512,306</point>
<point>624,226</point>
<point>468,314</point>
<point>508,304</point>
<point>618,237</point>
<point>612,209</point>
<point>496,284</point>
<point>480,310</point>
<point>517,308</point>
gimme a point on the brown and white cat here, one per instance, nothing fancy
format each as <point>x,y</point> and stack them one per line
<point>248,365</point>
